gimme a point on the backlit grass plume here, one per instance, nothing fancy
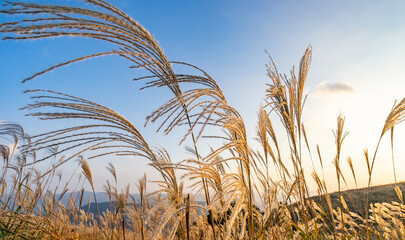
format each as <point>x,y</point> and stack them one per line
<point>250,191</point>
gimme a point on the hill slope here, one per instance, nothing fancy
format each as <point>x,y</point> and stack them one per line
<point>356,198</point>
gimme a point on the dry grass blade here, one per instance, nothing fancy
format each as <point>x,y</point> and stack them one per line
<point>114,135</point>
<point>86,171</point>
<point>396,116</point>
<point>307,144</point>
<point>111,169</point>
<point>110,25</point>
<point>399,193</point>
<point>366,156</point>
<point>350,162</point>
<point>303,73</point>
<point>340,135</point>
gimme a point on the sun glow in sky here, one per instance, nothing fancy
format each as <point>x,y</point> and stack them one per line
<point>357,69</point>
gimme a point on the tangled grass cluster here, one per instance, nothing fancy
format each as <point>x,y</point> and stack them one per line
<point>233,177</point>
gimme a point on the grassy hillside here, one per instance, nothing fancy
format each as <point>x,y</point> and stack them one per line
<point>356,198</point>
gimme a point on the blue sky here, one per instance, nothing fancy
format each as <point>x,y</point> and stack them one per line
<point>358,49</point>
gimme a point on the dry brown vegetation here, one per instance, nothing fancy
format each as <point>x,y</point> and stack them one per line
<point>233,177</point>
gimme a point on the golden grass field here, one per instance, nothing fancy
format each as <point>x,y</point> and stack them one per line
<point>233,178</point>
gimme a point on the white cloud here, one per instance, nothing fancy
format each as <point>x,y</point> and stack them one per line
<point>331,88</point>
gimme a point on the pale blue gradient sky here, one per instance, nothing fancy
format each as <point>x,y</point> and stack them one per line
<point>359,43</point>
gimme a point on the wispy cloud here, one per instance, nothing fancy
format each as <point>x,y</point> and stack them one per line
<point>330,88</point>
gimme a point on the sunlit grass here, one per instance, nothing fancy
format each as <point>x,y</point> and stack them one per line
<point>234,178</point>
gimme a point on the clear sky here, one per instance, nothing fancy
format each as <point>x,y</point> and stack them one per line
<point>357,69</point>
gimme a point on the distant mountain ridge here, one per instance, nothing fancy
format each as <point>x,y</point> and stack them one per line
<point>356,198</point>
<point>100,196</point>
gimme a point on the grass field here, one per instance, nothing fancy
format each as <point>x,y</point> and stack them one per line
<point>234,178</point>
